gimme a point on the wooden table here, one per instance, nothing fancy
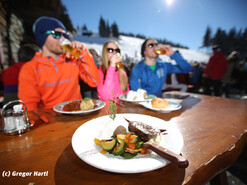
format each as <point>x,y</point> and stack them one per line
<point>214,131</point>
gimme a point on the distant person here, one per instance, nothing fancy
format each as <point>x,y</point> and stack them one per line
<point>214,71</point>
<point>228,79</point>
<point>196,77</point>
<point>113,80</point>
<point>9,76</point>
<point>174,84</point>
<point>50,78</point>
<point>151,72</point>
<point>96,56</point>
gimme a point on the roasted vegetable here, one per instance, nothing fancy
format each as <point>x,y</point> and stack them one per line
<point>119,149</point>
<point>127,146</point>
<point>127,155</point>
<point>108,145</point>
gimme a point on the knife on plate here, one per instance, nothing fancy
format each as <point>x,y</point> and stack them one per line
<point>149,134</point>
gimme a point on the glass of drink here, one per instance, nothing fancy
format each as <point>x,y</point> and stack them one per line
<point>159,51</point>
<point>65,43</point>
<point>120,65</point>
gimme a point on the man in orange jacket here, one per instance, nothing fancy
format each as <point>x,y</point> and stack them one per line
<point>50,78</point>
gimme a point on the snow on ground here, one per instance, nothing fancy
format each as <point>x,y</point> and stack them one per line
<point>131,47</point>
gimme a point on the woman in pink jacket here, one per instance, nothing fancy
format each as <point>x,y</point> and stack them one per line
<point>113,79</point>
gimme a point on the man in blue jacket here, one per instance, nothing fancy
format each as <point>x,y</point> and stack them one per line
<point>151,72</point>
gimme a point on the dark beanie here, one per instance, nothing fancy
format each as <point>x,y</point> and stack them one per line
<point>44,24</point>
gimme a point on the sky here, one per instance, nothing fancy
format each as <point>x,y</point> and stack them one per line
<point>179,21</point>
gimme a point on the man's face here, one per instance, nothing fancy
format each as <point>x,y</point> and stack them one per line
<point>149,49</point>
<point>53,44</point>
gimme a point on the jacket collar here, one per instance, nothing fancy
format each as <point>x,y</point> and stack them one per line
<point>47,60</point>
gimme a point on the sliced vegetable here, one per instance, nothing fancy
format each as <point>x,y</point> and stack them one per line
<point>131,145</point>
<point>97,141</point>
<point>127,155</point>
<point>144,151</point>
<point>139,144</point>
<point>104,151</point>
<point>108,145</point>
<point>125,145</point>
<point>119,149</point>
<point>133,139</point>
<point>133,150</point>
<point>86,99</point>
<point>120,137</point>
<point>127,138</point>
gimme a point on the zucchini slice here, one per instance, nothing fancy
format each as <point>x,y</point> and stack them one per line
<point>119,149</point>
<point>108,145</point>
<point>127,155</point>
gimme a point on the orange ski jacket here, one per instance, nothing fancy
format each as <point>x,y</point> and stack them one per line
<point>45,82</point>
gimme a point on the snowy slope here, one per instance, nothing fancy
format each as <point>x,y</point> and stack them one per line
<point>131,47</point>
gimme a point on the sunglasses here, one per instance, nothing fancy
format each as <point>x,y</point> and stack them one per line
<point>151,45</point>
<point>111,50</point>
<point>57,34</point>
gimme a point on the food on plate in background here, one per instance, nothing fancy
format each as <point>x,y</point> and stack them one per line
<point>86,104</point>
<point>72,106</point>
<point>140,94</point>
<point>159,103</point>
<point>80,105</point>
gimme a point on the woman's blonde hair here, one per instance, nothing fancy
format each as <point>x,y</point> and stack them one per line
<point>106,63</point>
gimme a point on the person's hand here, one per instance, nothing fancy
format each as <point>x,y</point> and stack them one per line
<point>115,59</point>
<point>167,48</point>
<point>75,44</point>
<point>79,45</point>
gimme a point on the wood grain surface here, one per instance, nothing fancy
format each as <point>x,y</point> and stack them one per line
<point>214,130</point>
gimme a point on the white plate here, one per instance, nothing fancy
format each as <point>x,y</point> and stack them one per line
<point>149,98</point>
<point>85,148</point>
<point>172,107</point>
<point>59,108</point>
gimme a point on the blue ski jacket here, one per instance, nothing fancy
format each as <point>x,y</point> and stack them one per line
<point>153,81</point>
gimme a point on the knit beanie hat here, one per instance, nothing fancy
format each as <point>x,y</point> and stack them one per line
<point>44,24</point>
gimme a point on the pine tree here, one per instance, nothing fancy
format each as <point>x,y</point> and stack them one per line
<point>64,17</point>
<point>207,37</point>
<point>220,39</point>
<point>84,27</point>
<point>108,30</point>
<point>231,40</point>
<point>102,27</point>
<point>114,29</point>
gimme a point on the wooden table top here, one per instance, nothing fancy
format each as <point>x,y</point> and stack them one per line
<point>214,130</point>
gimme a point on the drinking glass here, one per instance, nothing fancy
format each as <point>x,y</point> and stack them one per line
<point>159,51</point>
<point>65,43</point>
